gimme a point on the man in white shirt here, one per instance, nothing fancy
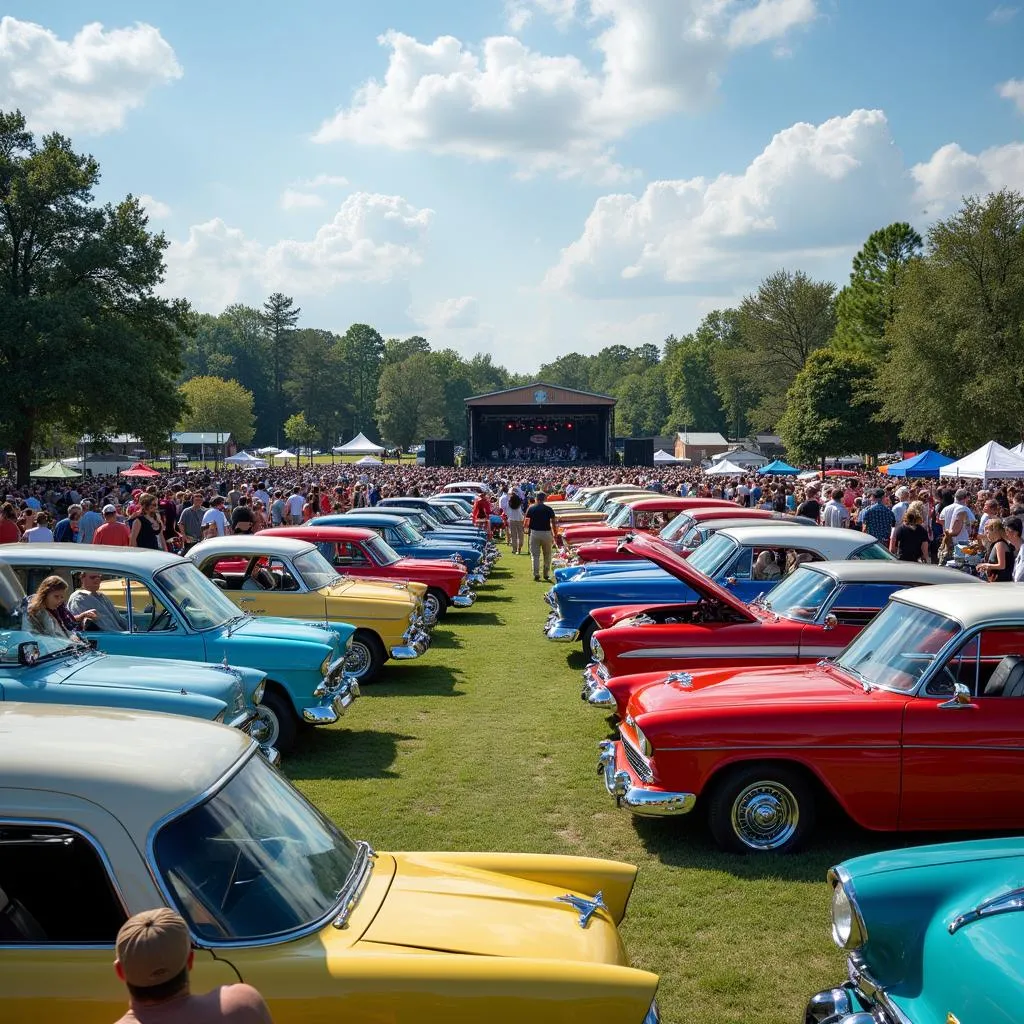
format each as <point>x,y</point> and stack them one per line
<point>215,515</point>
<point>293,507</point>
<point>899,510</point>
<point>835,513</point>
<point>960,516</point>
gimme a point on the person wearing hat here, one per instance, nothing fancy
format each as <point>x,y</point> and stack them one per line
<point>112,532</point>
<point>154,958</point>
<point>899,510</point>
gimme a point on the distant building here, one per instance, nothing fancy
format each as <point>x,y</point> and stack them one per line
<point>204,444</point>
<point>116,444</point>
<point>699,445</point>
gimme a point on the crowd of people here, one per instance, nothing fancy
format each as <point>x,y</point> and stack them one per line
<point>922,520</point>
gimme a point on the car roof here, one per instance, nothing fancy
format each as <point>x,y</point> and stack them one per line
<point>100,556</point>
<point>137,765</point>
<point>324,533</point>
<point>790,536</point>
<point>878,571</point>
<point>380,518</point>
<point>995,603</point>
<point>284,546</point>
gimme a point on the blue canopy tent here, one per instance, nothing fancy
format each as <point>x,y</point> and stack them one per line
<point>926,464</point>
<point>779,468</point>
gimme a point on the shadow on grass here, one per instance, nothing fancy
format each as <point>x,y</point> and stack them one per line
<point>445,639</point>
<point>475,618</point>
<point>417,681</point>
<point>485,597</point>
<point>577,660</point>
<point>345,754</point>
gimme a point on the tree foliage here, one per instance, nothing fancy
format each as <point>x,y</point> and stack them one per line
<point>410,405</point>
<point>280,317</point>
<point>216,404</point>
<point>300,432</point>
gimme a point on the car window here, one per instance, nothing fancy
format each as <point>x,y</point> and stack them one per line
<point>802,595</point>
<point>133,601</point>
<point>871,552</point>
<point>989,664</point>
<point>346,554</point>
<point>54,889</point>
<point>713,554</point>
<point>858,603</point>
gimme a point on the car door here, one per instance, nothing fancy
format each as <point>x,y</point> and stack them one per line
<point>963,764</point>
<point>275,590</point>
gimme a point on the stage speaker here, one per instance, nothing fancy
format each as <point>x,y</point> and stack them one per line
<point>638,451</point>
<point>440,452</point>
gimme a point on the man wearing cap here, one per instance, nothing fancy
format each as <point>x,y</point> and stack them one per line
<point>154,958</point>
<point>112,532</point>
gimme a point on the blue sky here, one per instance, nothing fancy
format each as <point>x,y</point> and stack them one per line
<point>523,177</point>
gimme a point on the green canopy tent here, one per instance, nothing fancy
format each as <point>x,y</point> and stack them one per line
<point>54,471</point>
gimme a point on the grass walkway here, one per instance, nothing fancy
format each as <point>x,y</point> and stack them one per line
<point>484,744</point>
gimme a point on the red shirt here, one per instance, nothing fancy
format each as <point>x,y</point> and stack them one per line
<point>9,532</point>
<point>114,534</point>
<point>481,508</point>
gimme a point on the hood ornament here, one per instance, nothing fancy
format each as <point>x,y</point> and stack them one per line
<point>683,679</point>
<point>586,908</point>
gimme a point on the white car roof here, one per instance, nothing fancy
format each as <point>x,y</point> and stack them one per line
<point>995,603</point>
<point>825,539</point>
<point>136,765</point>
<point>257,543</point>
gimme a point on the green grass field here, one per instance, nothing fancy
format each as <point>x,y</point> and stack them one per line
<point>484,744</point>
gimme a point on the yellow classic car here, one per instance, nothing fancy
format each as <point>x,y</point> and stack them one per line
<point>291,578</point>
<point>105,813</point>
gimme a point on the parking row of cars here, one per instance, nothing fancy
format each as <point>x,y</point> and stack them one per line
<point>761,671</point>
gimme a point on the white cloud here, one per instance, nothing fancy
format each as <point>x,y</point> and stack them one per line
<point>325,181</point>
<point>463,311</point>
<point>505,101</point>
<point>372,239</point>
<point>155,209</point>
<point>1013,90</point>
<point>1002,14</point>
<point>519,13</point>
<point>86,85</point>
<point>813,189</point>
<point>952,173</point>
<point>293,199</point>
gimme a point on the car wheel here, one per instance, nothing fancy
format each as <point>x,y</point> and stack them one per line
<point>587,630</point>
<point>277,715</point>
<point>435,605</point>
<point>762,809</point>
<point>365,657</point>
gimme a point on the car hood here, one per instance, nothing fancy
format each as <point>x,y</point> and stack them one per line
<point>270,627</point>
<point>353,588</point>
<point>126,672</point>
<point>436,904</point>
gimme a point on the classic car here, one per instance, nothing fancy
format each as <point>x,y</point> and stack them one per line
<point>932,933</point>
<point>596,506</point>
<point>172,611</point>
<point>813,613</point>
<point>913,727</point>
<point>278,575</point>
<point>642,514</point>
<point>433,529</point>
<point>183,813</point>
<point>747,560</point>
<point>466,485</point>
<point>445,512</point>
<point>409,542</point>
<point>367,555</point>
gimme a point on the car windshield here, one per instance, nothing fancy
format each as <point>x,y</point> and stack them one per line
<point>203,604</point>
<point>896,648</point>
<point>381,551</point>
<point>710,557</point>
<point>315,570</point>
<point>874,551</point>
<point>674,530</point>
<point>255,861</point>
<point>444,513</point>
<point>801,595</point>
<point>408,533</point>
<point>621,516</point>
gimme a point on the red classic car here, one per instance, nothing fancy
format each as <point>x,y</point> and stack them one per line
<point>813,613</point>
<point>643,514</point>
<point>363,553</point>
<point>918,724</point>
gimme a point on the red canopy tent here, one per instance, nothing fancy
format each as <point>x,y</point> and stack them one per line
<point>139,469</point>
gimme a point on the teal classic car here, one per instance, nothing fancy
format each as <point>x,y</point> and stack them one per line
<point>934,934</point>
<point>166,608</point>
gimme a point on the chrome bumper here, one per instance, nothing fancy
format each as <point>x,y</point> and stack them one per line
<point>414,643</point>
<point>331,710</point>
<point>646,803</point>
<point>466,600</point>
<point>595,690</point>
<point>562,634</point>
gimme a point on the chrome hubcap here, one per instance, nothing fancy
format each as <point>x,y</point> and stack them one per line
<point>265,728</point>
<point>357,661</point>
<point>431,607</point>
<point>765,815</point>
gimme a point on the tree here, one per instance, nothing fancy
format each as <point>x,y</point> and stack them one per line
<point>316,384</point>
<point>300,433</point>
<point>215,404</point>
<point>453,373</point>
<point>870,300</point>
<point>410,401</point>
<point>690,380</point>
<point>569,371</point>
<point>361,353</point>
<point>643,403</point>
<point>397,350</point>
<point>955,373</point>
<point>831,408</point>
<point>280,315</point>
<point>789,317</point>
<point>78,313</point>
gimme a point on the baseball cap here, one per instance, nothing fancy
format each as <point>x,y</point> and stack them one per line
<point>109,510</point>
<point>902,492</point>
<point>153,947</point>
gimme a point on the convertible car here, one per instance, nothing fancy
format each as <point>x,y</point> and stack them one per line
<point>813,613</point>
<point>183,813</point>
<point>748,561</point>
<point>277,575</point>
<point>917,725</point>
<point>366,555</point>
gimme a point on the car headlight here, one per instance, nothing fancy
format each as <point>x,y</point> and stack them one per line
<point>643,742</point>
<point>219,717</point>
<point>348,643</point>
<point>596,650</point>
<point>325,665</point>
<point>848,930</point>
<point>257,694</point>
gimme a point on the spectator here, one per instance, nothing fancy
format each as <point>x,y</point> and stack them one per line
<point>899,510</point>
<point>113,532</point>
<point>877,518</point>
<point>66,530</point>
<point>41,532</point>
<point>89,598</point>
<point>835,513</point>
<point>190,522</point>
<point>909,541</point>
<point>990,508</point>
<point>482,514</point>
<point>957,518</point>
<point>998,565</point>
<point>154,959</point>
<point>215,523</point>
<point>810,506</point>
<point>9,532</point>
<point>295,505</point>
<point>277,509</point>
<point>543,525</point>
<point>90,522</point>
<point>515,522</point>
<point>1012,529</point>
<point>146,526</point>
<point>243,520</point>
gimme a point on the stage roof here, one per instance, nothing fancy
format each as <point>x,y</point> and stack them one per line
<point>539,395</point>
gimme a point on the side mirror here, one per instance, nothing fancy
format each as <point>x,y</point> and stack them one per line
<point>830,621</point>
<point>28,652</point>
<point>961,698</point>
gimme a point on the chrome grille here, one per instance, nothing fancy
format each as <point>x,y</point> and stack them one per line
<point>636,760</point>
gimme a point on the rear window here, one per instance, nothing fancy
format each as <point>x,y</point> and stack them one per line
<point>873,551</point>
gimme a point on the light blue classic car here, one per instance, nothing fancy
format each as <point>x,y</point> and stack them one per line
<point>933,934</point>
<point>167,608</point>
<point>747,560</point>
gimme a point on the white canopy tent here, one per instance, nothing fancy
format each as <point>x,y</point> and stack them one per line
<point>742,458</point>
<point>269,450</point>
<point>243,460</point>
<point>360,445</point>
<point>989,462</point>
<point>725,468</point>
<point>1018,449</point>
<point>368,460</point>
<point>286,455</point>
<point>662,456</point>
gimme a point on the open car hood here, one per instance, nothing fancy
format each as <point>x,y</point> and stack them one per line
<point>674,564</point>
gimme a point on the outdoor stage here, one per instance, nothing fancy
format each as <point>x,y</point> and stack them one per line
<point>541,423</point>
